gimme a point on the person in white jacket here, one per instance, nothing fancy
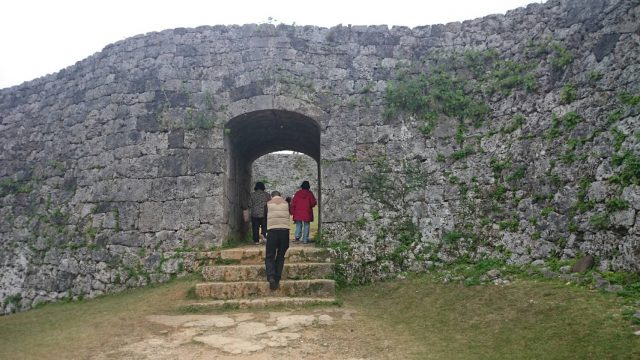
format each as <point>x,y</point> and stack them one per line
<point>277,213</point>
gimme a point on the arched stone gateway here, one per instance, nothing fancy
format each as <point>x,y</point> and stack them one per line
<point>512,137</point>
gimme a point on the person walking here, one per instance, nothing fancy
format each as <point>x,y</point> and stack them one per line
<point>257,201</point>
<point>277,212</point>
<point>302,206</point>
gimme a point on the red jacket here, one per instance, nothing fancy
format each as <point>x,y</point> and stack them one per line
<point>302,205</point>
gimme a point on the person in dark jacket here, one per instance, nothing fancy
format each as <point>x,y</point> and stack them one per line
<point>257,201</point>
<point>301,208</point>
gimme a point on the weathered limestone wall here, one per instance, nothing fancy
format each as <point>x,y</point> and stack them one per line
<point>113,169</point>
<point>286,172</point>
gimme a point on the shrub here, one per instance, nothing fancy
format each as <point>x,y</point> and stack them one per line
<point>452,237</point>
<point>571,119</point>
<point>516,122</point>
<point>615,116</point>
<point>509,225</point>
<point>600,221</point>
<point>10,186</point>
<point>617,204</point>
<point>618,138</point>
<point>561,57</point>
<point>630,169</point>
<point>462,153</point>
<point>518,174</point>
<point>628,99</point>
<point>595,76</point>
<point>567,94</point>
<point>547,210</point>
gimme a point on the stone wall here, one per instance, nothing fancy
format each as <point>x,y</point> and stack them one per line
<point>285,172</point>
<point>507,136</point>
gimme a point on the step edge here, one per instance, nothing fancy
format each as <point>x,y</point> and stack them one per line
<point>267,298</point>
<point>262,265</point>
<point>207,283</point>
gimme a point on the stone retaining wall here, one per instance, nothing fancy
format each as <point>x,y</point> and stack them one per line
<point>286,172</point>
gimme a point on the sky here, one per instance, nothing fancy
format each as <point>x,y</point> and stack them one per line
<point>39,37</point>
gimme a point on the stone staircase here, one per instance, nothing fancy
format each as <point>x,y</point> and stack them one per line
<point>236,278</point>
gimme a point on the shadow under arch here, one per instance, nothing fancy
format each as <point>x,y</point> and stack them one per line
<point>251,135</point>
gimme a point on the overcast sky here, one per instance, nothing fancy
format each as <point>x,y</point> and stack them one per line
<point>39,37</point>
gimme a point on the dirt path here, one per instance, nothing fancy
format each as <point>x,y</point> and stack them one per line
<point>328,333</point>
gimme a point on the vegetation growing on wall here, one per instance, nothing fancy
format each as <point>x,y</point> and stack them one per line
<point>10,186</point>
<point>461,85</point>
<point>397,240</point>
<point>181,110</point>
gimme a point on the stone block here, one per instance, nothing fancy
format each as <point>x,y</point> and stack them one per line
<point>345,205</point>
<point>173,164</point>
<point>150,216</point>
<point>257,272</point>
<point>341,175</point>
<point>623,218</point>
<point>631,194</point>
<point>210,210</point>
<point>203,139</point>
<point>583,265</point>
<point>129,239</point>
<point>176,139</point>
<point>163,189</point>
<point>599,191</point>
<point>205,161</point>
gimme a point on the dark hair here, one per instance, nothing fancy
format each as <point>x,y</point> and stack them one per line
<point>305,185</point>
<point>259,186</point>
<point>275,193</point>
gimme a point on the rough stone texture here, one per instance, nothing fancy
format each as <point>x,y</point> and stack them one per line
<point>285,172</point>
<point>111,168</point>
<point>258,272</point>
<point>288,288</point>
<point>262,335</point>
<point>583,265</point>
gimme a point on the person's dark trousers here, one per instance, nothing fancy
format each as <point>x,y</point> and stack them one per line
<point>277,245</point>
<point>258,225</point>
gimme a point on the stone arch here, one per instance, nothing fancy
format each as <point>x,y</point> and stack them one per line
<point>259,126</point>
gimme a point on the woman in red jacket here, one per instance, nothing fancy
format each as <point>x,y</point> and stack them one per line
<point>302,210</point>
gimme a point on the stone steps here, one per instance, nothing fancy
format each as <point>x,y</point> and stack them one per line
<point>322,288</point>
<point>262,302</point>
<point>254,255</point>
<point>295,271</point>
<point>236,278</point>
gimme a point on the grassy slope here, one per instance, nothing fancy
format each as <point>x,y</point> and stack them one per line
<point>72,330</point>
<point>525,320</point>
<point>426,320</point>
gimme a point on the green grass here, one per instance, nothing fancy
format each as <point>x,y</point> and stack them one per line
<point>525,320</point>
<point>73,330</point>
<point>417,318</point>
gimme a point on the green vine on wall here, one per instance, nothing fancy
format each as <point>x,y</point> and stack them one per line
<point>391,188</point>
<point>459,85</point>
